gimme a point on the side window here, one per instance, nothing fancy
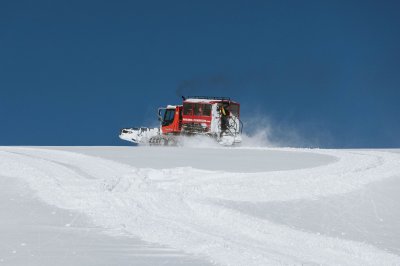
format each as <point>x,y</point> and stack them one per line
<point>187,108</point>
<point>197,109</point>
<point>207,109</point>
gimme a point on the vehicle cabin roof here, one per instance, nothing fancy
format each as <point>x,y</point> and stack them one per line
<point>209,101</point>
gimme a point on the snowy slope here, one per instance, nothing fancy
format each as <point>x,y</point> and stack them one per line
<point>241,206</point>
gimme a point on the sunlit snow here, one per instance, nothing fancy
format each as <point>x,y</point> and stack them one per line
<point>198,206</point>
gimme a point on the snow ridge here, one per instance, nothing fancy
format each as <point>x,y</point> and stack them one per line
<point>177,207</point>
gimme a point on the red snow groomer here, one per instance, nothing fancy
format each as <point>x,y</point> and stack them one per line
<point>215,117</point>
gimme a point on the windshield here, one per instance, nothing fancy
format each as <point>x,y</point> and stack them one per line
<point>168,117</point>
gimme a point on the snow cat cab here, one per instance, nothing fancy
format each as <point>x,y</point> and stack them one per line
<point>171,119</point>
<point>216,117</point>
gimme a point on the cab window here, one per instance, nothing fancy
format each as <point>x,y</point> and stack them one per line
<point>207,109</point>
<point>168,117</point>
<point>187,108</point>
<point>197,109</point>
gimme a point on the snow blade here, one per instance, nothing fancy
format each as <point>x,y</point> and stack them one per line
<point>139,135</point>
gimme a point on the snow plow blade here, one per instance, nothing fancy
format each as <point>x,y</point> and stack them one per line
<point>139,135</point>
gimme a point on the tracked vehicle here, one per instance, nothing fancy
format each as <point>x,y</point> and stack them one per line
<point>214,117</point>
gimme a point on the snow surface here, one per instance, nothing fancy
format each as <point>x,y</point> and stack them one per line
<point>188,206</point>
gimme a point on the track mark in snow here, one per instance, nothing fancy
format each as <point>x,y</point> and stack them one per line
<point>174,206</point>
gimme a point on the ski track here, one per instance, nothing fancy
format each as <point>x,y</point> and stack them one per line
<point>176,207</point>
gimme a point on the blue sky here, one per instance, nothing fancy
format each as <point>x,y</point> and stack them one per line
<point>322,73</point>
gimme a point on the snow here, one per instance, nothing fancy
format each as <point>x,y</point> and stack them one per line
<point>198,206</point>
<point>205,100</point>
<point>138,135</point>
<point>201,100</point>
<point>33,233</point>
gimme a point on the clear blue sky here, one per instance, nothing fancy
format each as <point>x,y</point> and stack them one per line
<point>74,72</point>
